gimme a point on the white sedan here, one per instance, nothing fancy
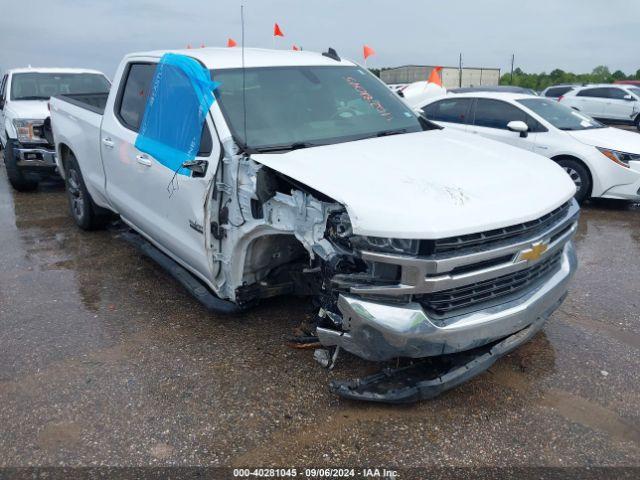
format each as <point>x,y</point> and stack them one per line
<point>602,161</point>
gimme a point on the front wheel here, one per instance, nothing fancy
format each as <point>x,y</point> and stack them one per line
<point>580,176</point>
<point>86,214</point>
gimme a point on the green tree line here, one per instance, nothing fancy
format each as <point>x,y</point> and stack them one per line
<point>540,81</point>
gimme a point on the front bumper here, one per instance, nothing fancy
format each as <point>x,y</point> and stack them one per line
<point>423,380</point>
<point>379,332</point>
<point>627,191</point>
<point>36,157</point>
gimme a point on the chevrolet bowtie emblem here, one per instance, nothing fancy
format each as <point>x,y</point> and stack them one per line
<point>535,252</point>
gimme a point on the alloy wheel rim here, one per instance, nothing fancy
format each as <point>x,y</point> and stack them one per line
<point>75,195</point>
<point>575,176</point>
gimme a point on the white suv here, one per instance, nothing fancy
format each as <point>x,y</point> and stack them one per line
<point>611,103</point>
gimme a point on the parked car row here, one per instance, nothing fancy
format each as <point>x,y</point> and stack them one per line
<point>602,161</point>
<point>617,103</point>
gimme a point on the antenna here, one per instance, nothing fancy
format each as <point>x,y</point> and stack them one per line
<point>244,98</point>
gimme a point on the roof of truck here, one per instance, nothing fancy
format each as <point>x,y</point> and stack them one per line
<point>52,70</point>
<point>216,57</point>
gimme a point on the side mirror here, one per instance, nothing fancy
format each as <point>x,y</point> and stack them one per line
<point>198,167</point>
<point>518,126</point>
<point>629,98</point>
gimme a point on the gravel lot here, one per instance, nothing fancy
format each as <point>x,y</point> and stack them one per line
<point>107,361</point>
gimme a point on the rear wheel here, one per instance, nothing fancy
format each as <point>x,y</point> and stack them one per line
<point>87,215</point>
<point>16,176</point>
<point>580,176</point>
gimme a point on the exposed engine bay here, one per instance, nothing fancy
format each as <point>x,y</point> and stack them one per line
<point>285,238</point>
<point>272,235</point>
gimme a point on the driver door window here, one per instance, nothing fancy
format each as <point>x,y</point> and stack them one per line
<point>616,106</point>
<point>496,114</point>
<point>491,118</point>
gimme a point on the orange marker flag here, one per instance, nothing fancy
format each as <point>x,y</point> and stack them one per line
<point>367,51</point>
<point>296,48</point>
<point>276,31</point>
<point>231,43</point>
<point>435,76</point>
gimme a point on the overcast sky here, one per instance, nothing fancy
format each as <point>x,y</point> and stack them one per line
<point>575,35</point>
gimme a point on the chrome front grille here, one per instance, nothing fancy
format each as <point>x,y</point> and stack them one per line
<point>475,274</point>
<point>447,301</point>
<point>492,237</point>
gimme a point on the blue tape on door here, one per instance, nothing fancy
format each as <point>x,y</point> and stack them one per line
<point>176,110</point>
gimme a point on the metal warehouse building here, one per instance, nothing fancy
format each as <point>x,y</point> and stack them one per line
<point>471,77</point>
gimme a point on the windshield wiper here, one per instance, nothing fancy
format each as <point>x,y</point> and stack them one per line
<point>33,97</point>
<point>386,133</point>
<point>286,147</point>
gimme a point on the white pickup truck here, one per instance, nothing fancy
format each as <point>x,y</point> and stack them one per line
<point>312,178</point>
<point>24,94</point>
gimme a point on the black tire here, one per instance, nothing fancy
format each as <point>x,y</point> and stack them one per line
<point>637,122</point>
<point>580,176</point>
<point>16,177</point>
<point>86,214</point>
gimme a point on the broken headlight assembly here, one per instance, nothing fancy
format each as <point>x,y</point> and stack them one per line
<point>340,231</point>
<point>386,245</point>
<point>29,130</point>
<point>621,158</point>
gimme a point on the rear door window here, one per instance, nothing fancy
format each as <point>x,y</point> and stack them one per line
<point>454,110</point>
<point>133,99</point>
<point>556,92</point>
<point>615,93</point>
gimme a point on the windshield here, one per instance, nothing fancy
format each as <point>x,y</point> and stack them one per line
<point>42,86</point>
<point>560,116</point>
<point>298,107</point>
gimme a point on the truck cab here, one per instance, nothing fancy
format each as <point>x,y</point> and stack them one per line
<point>310,177</point>
<point>24,95</point>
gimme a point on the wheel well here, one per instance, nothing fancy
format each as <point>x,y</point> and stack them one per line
<point>586,167</point>
<point>65,151</point>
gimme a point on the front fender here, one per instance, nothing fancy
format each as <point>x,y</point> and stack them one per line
<point>9,129</point>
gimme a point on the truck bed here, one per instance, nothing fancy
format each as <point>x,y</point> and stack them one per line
<point>90,101</point>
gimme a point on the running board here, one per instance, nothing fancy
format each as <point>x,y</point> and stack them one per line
<point>194,286</point>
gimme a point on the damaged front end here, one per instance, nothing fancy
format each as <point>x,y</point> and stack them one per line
<point>465,299</point>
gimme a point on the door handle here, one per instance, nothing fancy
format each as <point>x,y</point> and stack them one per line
<point>143,160</point>
<point>108,142</point>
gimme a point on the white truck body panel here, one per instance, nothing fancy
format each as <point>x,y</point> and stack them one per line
<point>253,216</point>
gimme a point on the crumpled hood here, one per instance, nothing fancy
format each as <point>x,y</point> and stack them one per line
<point>429,185</point>
<point>612,138</point>
<point>29,109</point>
